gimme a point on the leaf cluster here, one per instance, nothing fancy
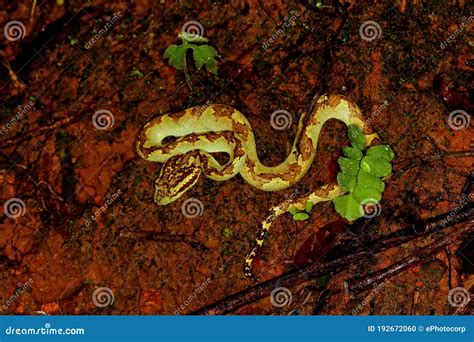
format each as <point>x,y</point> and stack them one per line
<point>203,55</point>
<point>361,175</point>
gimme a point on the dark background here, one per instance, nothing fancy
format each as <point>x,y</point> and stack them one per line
<point>153,259</point>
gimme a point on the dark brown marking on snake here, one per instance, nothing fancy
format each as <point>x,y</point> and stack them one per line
<point>293,169</point>
<point>305,146</point>
<point>168,148</point>
<point>197,111</point>
<point>228,135</point>
<point>223,111</point>
<point>332,101</point>
<point>177,116</point>
<point>241,129</point>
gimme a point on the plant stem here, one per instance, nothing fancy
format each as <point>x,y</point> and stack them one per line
<point>185,68</point>
<point>186,74</point>
<point>32,11</point>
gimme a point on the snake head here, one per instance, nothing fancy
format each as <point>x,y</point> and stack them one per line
<point>177,176</point>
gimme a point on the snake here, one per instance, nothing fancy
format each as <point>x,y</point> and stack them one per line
<point>185,142</point>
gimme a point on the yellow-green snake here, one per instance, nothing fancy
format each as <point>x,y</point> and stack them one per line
<point>198,132</point>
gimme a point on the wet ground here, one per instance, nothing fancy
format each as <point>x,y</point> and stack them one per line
<point>88,238</point>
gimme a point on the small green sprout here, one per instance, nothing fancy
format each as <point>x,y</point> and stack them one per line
<point>136,73</point>
<point>361,174</point>
<point>227,232</point>
<point>203,55</point>
<point>301,215</point>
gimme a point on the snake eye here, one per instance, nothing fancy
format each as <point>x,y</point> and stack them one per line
<point>169,140</point>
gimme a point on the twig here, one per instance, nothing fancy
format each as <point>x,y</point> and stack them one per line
<point>356,285</point>
<point>448,258</point>
<point>330,267</point>
<point>32,12</point>
<point>35,132</point>
<point>16,82</point>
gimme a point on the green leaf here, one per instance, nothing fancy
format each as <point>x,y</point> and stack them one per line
<point>349,166</point>
<point>381,151</point>
<point>348,207</point>
<point>293,211</point>
<point>136,73</point>
<point>346,181</point>
<point>227,232</point>
<point>377,166</point>
<point>356,137</point>
<point>300,216</point>
<point>360,175</point>
<point>176,55</point>
<point>211,66</point>
<point>368,180</point>
<point>363,194</point>
<point>352,153</point>
<point>205,55</point>
<point>308,206</point>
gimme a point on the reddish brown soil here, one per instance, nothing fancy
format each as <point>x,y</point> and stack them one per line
<point>154,259</point>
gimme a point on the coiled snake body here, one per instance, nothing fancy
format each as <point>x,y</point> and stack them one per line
<point>200,131</point>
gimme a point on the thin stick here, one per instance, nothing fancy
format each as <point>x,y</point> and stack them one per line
<point>256,292</point>
<point>356,285</point>
<point>36,132</point>
<point>32,12</point>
